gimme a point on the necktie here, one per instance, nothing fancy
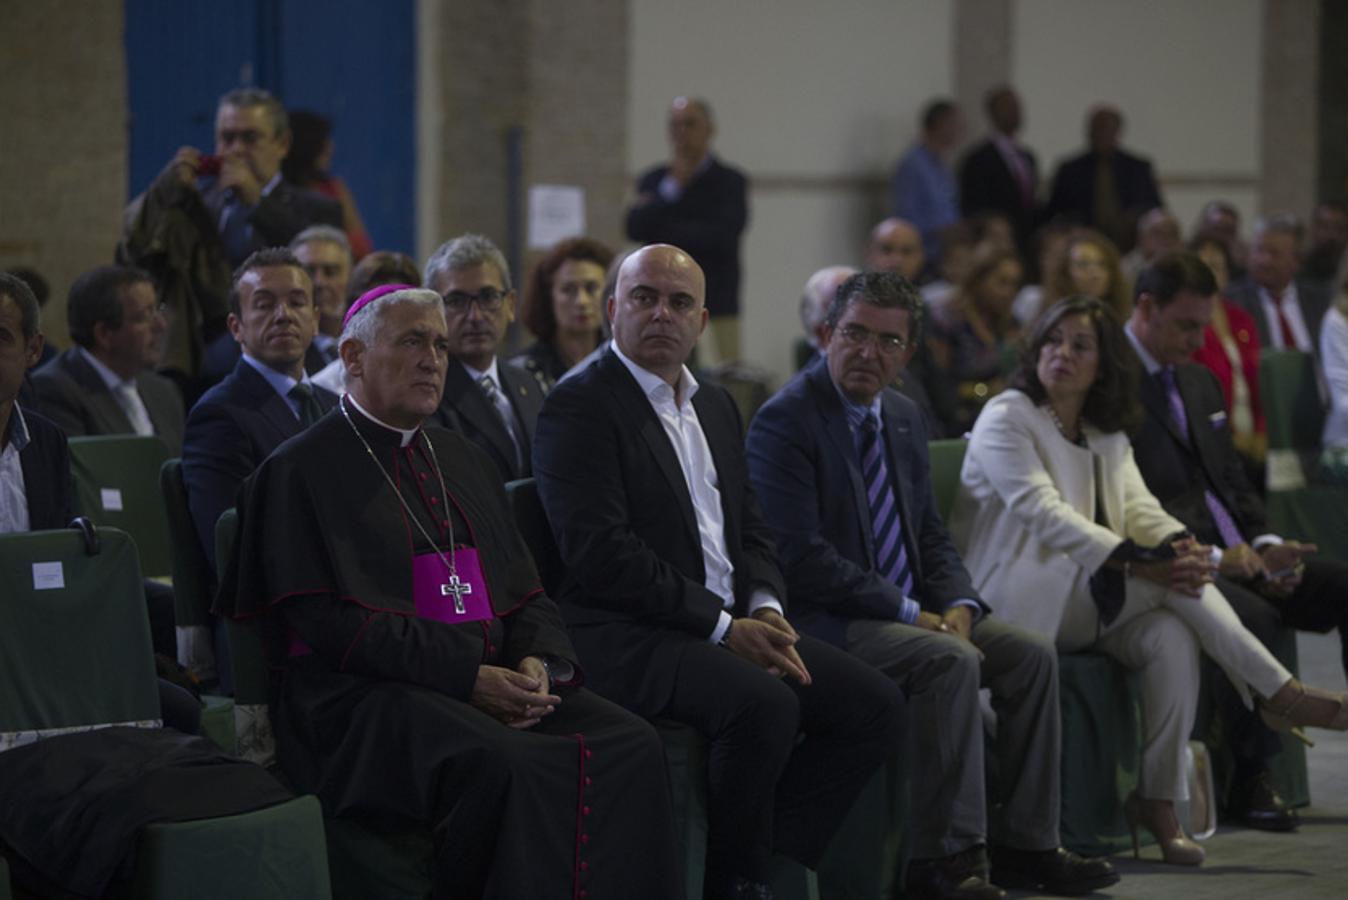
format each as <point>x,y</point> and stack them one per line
<point>891,558</point>
<point>1106,198</point>
<point>502,407</point>
<point>310,409</point>
<point>1289,340</point>
<point>1221,516</point>
<point>128,398</point>
<point>235,231</point>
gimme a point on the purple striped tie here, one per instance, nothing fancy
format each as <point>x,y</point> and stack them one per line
<point>1221,516</point>
<point>891,558</point>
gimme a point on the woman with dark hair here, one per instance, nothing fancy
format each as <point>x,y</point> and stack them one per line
<point>1231,350</point>
<point>564,308</point>
<point>973,334</point>
<point>1089,268</point>
<point>1062,537</point>
<point>308,165</point>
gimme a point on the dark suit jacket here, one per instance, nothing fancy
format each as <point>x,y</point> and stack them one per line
<point>987,184</point>
<point>73,395</point>
<point>1074,187</point>
<point>1313,297</point>
<point>278,216</point>
<point>46,473</point>
<point>464,408</point>
<point>805,471</point>
<point>1178,472</point>
<point>233,427</point>
<point>706,222</point>
<point>618,504</point>
<point>223,353</point>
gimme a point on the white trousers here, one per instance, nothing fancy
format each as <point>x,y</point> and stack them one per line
<point>1159,634</point>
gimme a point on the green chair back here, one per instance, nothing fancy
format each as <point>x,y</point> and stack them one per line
<point>947,458</point>
<point>117,484</point>
<point>193,585</point>
<point>1290,394</point>
<point>74,635</point>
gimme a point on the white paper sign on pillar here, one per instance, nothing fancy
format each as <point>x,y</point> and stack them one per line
<point>556,212</point>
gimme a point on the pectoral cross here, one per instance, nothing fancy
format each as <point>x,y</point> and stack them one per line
<point>458,589</point>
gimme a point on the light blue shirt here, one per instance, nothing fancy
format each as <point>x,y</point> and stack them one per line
<point>13,493</point>
<point>924,191</point>
<point>856,417</point>
<point>279,381</point>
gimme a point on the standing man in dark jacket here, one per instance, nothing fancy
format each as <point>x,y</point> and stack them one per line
<point>698,203</point>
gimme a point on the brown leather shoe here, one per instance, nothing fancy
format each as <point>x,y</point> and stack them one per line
<point>954,877</point>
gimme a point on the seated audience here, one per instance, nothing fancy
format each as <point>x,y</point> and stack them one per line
<point>877,574</point>
<point>895,245</point>
<point>1287,309</point>
<point>1158,233</point>
<point>41,290</point>
<point>1089,268</point>
<point>673,594</point>
<point>309,165</point>
<point>1186,457</point>
<point>106,383</point>
<point>494,404</point>
<point>35,479</point>
<point>923,190</point>
<point>379,267</point>
<point>326,256</point>
<point>1221,220</point>
<point>1050,248</point>
<point>973,334</point>
<point>1061,536</point>
<point>1334,359</point>
<point>563,307</point>
<point>1326,242</point>
<point>1231,351</point>
<point>428,681</point>
<point>205,214</point>
<point>957,249</point>
<point>266,399</point>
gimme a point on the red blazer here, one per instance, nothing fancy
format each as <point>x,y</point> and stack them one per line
<point>1212,355</point>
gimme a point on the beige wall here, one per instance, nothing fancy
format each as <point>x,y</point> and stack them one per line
<point>814,102</point>
<point>63,142</point>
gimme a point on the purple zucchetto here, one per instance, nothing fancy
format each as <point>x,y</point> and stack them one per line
<point>372,295</point>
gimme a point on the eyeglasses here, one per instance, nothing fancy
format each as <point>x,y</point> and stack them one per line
<point>489,299</point>
<point>860,335</point>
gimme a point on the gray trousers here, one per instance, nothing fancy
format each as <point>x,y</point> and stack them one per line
<point>941,675</point>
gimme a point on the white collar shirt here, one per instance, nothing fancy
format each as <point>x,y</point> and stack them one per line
<point>674,408</point>
<point>125,392</point>
<point>13,493</point>
<point>1291,308</point>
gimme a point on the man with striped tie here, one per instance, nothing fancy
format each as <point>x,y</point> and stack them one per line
<point>839,462</point>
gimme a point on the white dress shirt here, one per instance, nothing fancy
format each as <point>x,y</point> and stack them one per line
<point>13,493</point>
<point>1291,308</point>
<point>503,407</point>
<point>1334,358</point>
<point>677,416</point>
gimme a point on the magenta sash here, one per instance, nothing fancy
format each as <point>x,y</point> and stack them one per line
<point>434,593</point>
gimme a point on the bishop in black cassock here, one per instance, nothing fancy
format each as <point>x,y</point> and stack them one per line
<point>424,677</point>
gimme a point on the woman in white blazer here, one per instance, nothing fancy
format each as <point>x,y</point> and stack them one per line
<point>1062,536</point>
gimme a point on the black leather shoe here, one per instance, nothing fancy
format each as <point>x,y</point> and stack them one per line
<point>1058,871</point>
<point>1257,804</point>
<point>950,878</point>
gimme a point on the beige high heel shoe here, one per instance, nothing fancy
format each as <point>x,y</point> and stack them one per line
<point>1158,817</point>
<point>1295,705</point>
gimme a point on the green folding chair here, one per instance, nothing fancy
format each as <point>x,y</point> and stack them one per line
<point>947,458</point>
<point>1289,390</point>
<point>117,485</point>
<point>75,654</point>
<point>193,584</point>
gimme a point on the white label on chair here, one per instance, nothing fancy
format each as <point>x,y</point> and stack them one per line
<point>112,500</point>
<point>48,576</point>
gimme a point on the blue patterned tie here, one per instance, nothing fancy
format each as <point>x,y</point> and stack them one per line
<point>891,559</point>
